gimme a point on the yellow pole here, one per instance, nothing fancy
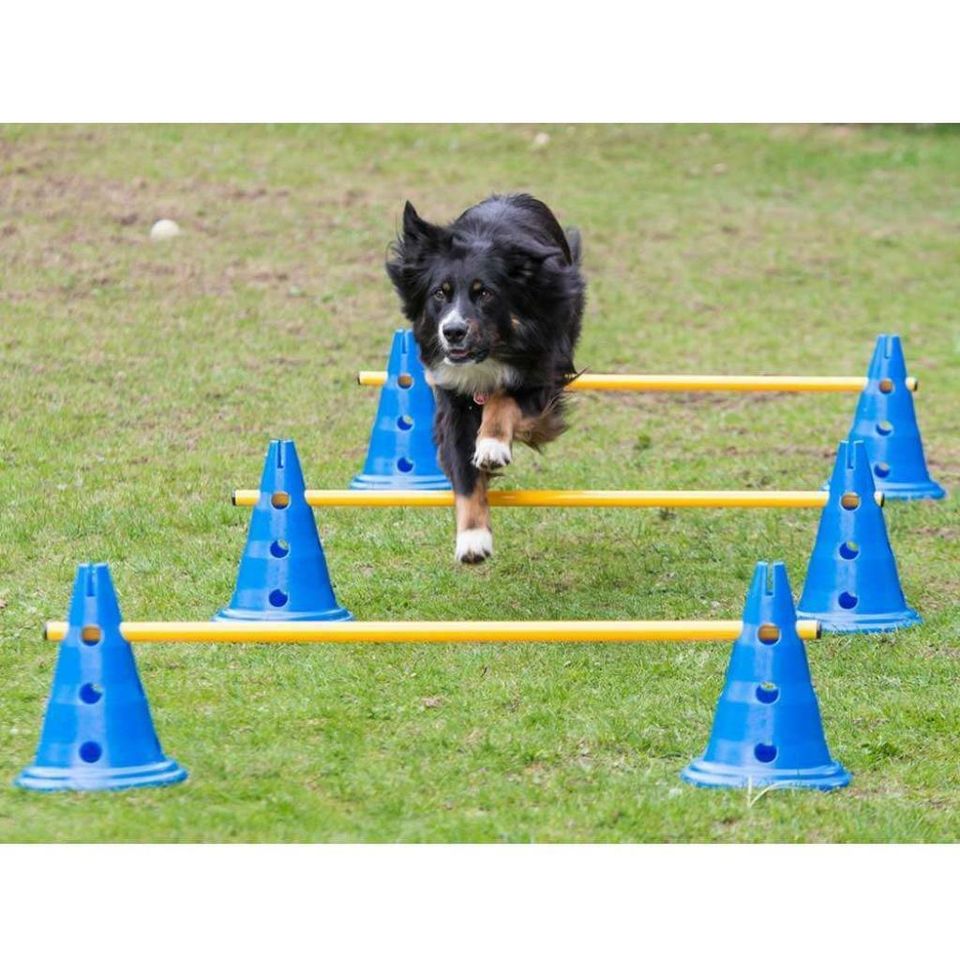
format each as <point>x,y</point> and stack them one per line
<point>787,499</point>
<point>454,631</point>
<point>660,383</point>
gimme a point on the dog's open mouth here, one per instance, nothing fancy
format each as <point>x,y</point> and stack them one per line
<point>459,354</point>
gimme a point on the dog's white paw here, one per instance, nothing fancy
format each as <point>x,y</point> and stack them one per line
<point>491,454</point>
<point>474,546</point>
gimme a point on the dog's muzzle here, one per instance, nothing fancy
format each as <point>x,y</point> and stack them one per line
<point>455,340</point>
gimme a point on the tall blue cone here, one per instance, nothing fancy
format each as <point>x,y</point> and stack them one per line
<point>887,424</point>
<point>401,454</point>
<point>97,733</point>
<point>283,572</point>
<point>852,582</point>
<point>767,729</point>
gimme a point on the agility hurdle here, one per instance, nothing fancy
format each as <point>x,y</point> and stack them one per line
<point>694,383</point>
<point>721,499</point>
<point>402,455</point>
<point>98,733</point>
<point>432,631</point>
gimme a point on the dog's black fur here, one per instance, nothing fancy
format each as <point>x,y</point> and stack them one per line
<point>505,279</point>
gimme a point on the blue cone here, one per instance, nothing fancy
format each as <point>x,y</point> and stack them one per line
<point>852,581</point>
<point>283,573</point>
<point>887,424</point>
<point>767,729</point>
<point>97,733</point>
<point>401,454</point>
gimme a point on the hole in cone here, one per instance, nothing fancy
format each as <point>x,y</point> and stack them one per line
<point>881,469</point>
<point>767,692</point>
<point>404,465</point>
<point>886,385</point>
<point>91,635</point>
<point>884,428</point>
<point>848,600</point>
<point>405,381</point>
<point>278,598</point>
<point>279,548</point>
<point>90,752</point>
<point>91,692</point>
<point>765,752</point>
<point>768,633</point>
<point>849,550</point>
<point>850,501</point>
<point>405,422</point>
<point>280,500</point>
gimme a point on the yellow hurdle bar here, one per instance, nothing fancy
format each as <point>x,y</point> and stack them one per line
<point>454,631</point>
<point>675,383</point>
<point>787,499</point>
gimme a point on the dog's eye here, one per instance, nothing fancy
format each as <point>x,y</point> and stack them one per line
<point>484,296</point>
<point>440,293</point>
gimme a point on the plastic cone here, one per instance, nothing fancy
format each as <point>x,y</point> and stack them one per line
<point>97,733</point>
<point>401,454</point>
<point>887,424</point>
<point>852,581</point>
<point>767,729</point>
<point>283,572</point>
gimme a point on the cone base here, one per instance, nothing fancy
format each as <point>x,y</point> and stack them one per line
<point>704,773</point>
<point>832,622</point>
<point>931,490</point>
<point>278,616</point>
<point>370,481</point>
<point>49,779</point>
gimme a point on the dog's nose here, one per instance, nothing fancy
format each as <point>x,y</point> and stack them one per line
<point>454,331</point>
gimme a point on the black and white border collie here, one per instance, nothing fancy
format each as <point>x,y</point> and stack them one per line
<point>495,299</point>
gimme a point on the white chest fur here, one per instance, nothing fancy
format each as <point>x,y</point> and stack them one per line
<point>482,377</point>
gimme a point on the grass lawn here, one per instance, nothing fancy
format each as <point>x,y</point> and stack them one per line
<point>141,383</point>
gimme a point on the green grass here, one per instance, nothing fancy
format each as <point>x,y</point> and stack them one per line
<point>141,383</point>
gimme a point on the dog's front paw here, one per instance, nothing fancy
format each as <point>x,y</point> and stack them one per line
<point>491,454</point>
<point>474,546</point>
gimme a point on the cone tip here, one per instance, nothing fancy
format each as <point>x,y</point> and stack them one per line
<point>769,575</point>
<point>779,581</point>
<point>94,599</point>
<point>769,599</point>
<point>887,357</point>
<point>92,578</point>
<point>852,457</point>
<point>398,347</point>
<point>281,468</point>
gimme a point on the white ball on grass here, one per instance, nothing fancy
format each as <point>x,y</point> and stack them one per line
<point>164,230</point>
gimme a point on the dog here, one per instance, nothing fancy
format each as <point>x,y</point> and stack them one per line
<point>496,300</point>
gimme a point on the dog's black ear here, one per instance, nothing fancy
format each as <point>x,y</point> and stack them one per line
<point>416,230</point>
<point>417,241</point>
<point>524,262</point>
<point>395,271</point>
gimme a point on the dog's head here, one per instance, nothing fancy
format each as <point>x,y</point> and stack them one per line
<point>475,290</point>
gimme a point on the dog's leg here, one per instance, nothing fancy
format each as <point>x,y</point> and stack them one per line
<point>455,428</point>
<point>494,446</point>
<point>474,537</point>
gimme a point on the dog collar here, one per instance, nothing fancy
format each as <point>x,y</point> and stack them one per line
<point>480,398</point>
